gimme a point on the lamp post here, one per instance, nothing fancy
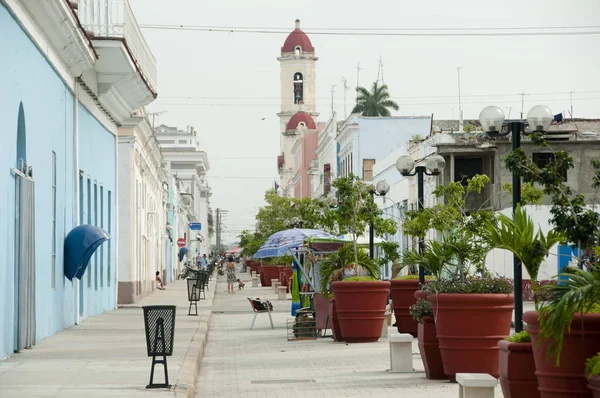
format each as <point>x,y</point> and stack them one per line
<point>381,189</point>
<point>492,120</point>
<point>433,167</point>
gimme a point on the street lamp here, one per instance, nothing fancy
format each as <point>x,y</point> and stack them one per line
<point>492,120</point>
<point>433,166</point>
<point>381,189</point>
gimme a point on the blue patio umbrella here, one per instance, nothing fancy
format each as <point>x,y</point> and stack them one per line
<point>279,244</point>
<point>80,244</point>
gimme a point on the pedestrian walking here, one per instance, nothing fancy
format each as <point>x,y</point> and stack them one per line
<point>231,278</point>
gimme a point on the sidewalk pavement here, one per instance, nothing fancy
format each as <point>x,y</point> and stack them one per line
<point>262,363</point>
<point>106,355</point>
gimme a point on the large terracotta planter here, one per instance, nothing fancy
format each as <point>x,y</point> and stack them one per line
<point>430,350</point>
<point>403,296</point>
<point>517,370</point>
<point>468,329</point>
<point>321,307</point>
<point>335,323</point>
<point>361,309</point>
<point>268,272</point>
<point>255,266</point>
<point>582,342</point>
<point>594,386</point>
<point>285,276</point>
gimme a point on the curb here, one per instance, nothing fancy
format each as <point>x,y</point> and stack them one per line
<point>190,368</point>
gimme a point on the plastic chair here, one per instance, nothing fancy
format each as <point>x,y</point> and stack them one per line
<point>257,311</point>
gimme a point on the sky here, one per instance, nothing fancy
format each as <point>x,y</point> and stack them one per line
<point>227,85</point>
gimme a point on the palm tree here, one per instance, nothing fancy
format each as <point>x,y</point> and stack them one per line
<point>374,103</point>
<point>518,235</point>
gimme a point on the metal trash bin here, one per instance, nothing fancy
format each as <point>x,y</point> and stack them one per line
<point>195,287</point>
<point>159,323</point>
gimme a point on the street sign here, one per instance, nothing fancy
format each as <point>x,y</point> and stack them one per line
<point>195,226</point>
<point>181,242</point>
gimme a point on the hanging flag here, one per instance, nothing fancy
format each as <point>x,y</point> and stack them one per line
<point>276,186</point>
<point>558,118</point>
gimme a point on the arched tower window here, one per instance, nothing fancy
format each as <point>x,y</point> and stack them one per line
<point>298,50</point>
<point>298,88</point>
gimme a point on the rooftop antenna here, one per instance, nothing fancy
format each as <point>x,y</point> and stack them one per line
<point>380,70</point>
<point>460,112</point>
<point>358,69</point>
<point>522,103</point>
<point>332,94</point>
<point>154,114</point>
<point>571,95</point>
<point>345,92</point>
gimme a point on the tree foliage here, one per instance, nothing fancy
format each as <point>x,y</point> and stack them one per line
<point>569,211</point>
<point>376,102</point>
<point>464,234</point>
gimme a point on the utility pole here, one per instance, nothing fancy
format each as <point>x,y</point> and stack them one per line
<point>332,97</point>
<point>345,91</point>
<point>522,103</point>
<point>460,112</point>
<point>358,69</point>
<point>221,214</point>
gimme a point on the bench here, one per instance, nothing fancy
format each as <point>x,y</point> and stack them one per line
<point>264,309</point>
<point>401,353</point>
<point>476,385</point>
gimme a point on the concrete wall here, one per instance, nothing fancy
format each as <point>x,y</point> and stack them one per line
<point>97,160</point>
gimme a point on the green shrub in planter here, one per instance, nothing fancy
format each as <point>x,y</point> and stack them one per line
<point>414,277</point>
<point>592,366</point>
<point>420,310</point>
<point>360,279</point>
<point>521,337</point>
<point>470,285</point>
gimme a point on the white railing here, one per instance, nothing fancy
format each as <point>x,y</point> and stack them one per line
<point>115,19</point>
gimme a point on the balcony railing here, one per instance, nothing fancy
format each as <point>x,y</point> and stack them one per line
<point>115,19</point>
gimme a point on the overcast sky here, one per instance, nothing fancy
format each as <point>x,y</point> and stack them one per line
<point>224,84</point>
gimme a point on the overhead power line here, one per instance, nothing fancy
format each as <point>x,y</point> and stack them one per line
<point>422,32</point>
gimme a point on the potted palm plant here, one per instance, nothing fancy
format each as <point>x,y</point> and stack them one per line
<point>565,331</point>
<point>592,371</point>
<point>519,236</point>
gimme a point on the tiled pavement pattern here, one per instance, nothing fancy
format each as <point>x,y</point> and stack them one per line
<point>239,362</point>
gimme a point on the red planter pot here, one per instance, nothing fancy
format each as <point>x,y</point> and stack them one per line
<point>335,323</point>
<point>468,329</point>
<point>268,272</point>
<point>361,309</point>
<point>430,350</point>
<point>285,276</point>
<point>321,307</point>
<point>421,294</point>
<point>255,266</point>
<point>517,370</point>
<point>582,342</point>
<point>594,386</point>
<point>403,296</point>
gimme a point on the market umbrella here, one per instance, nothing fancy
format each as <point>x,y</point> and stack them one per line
<point>279,244</point>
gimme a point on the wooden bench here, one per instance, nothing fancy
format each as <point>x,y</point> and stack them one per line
<point>257,311</point>
<point>476,385</point>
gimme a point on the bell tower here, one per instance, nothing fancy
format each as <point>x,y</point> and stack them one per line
<point>298,107</point>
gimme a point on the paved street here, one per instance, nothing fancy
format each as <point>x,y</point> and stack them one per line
<point>239,362</point>
<point>106,355</point>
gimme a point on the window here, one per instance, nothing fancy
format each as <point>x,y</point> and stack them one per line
<point>167,141</point>
<point>53,220</point>
<point>96,224</point>
<point>89,221</point>
<point>81,197</point>
<point>298,50</point>
<point>109,230</point>
<point>368,169</point>
<point>465,168</point>
<point>326,178</point>
<point>183,141</point>
<point>542,159</point>
<point>351,162</point>
<point>298,88</point>
<point>102,246</point>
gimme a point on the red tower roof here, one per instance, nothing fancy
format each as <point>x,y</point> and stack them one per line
<point>301,117</point>
<point>297,39</point>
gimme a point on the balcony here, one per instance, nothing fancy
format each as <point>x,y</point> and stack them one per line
<point>125,67</point>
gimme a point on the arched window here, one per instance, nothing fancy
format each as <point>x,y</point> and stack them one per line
<point>298,50</point>
<point>298,88</point>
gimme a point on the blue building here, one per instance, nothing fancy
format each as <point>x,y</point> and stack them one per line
<point>58,156</point>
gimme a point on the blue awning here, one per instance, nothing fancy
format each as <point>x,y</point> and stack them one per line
<point>182,252</point>
<point>80,245</point>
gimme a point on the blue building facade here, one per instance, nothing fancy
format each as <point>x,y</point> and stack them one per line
<point>41,119</point>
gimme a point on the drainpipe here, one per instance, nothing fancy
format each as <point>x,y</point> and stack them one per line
<point>77,187</point>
